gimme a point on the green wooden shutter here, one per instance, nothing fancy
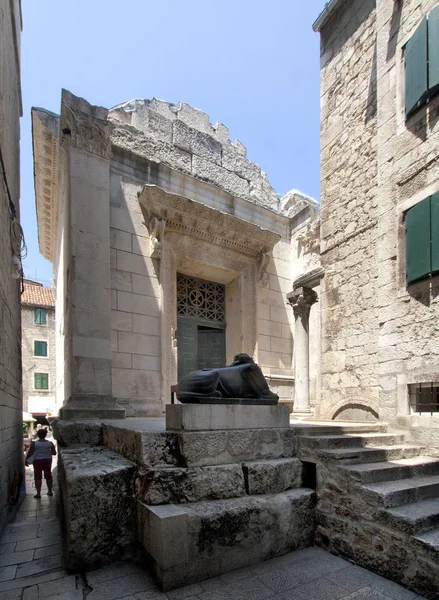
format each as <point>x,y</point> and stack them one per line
<point>417,222</point>
<point>435,232</point>
<point>415,55</point>
<point>433,48</point>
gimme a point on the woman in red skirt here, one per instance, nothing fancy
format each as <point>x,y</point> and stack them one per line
<point>42,450</point>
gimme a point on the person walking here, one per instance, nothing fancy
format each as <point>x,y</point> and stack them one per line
<point>42,451</point>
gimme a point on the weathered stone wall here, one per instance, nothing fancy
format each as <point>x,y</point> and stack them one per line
<point>11,455</point>
<point>37,364</point>
<point>379,335</point>
<point>350,328</point>
<point>408,172</point>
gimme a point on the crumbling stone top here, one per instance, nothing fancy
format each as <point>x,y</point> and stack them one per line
<point>182,137</point>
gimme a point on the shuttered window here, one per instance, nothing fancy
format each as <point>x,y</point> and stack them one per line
<point>415,55</point>
<point>422,239</point>
<point>421,58</point>
<point>40,316</point>
<point>40,348</point>
<point>433,49</point>
<point>41,381</point>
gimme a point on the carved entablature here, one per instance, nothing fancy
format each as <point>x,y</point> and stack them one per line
<point>191,218</point>
<point>86,126</point>
<point>45,125</point>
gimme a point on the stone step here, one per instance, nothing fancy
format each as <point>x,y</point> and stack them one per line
<point>219,536</point>
<point>418,466</point>
<point>192,484</point>
<point>404,491</point>
<point>366,440</point>
<point>428,543</point>
<point>370,455</point>
<point>155,449</point>
<point>319,429</point>
<point>413,518</point>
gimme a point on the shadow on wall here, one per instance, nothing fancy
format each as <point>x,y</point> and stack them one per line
<point>355,412</point>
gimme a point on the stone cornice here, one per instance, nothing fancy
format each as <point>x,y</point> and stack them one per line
<point>45,127</point>
<point>191,218</point>
<point>309,279</point>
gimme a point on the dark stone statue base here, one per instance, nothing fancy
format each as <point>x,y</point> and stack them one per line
<point>216,400</point>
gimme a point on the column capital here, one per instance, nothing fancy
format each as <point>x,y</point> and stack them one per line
<point>301,300</point>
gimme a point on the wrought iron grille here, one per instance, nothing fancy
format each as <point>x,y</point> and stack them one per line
<point>424,397</point>
<point>202,299</point>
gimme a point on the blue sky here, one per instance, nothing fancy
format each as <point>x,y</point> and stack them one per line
<point>254,66</point>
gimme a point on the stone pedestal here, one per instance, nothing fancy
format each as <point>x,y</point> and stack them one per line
<point>208,417</point>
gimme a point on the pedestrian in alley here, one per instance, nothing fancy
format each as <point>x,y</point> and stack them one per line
<point>40,453</point>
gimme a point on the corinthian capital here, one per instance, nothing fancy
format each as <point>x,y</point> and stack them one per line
<point>301,300</point>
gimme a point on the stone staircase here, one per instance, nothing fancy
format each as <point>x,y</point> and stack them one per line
<point>213,501</point>
<point>378,503</point>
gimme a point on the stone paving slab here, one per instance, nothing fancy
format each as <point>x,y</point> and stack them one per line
<point>30,569</point>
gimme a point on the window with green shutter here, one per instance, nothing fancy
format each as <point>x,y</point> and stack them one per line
<point>40,348</point>
<point>40,316</point>
<point>421,60</point>
<point>41,381</point>
<point>422,239</point>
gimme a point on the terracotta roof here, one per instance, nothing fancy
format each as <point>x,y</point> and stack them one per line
<point>38,295</point>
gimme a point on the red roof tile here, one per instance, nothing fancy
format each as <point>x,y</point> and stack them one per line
<point>38,295</point>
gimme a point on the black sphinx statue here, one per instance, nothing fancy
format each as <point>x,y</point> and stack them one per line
<point>242,382</point>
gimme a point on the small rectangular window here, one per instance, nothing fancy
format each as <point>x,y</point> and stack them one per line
<point>40,348</point>
<point>40,316</point>
<point>424,397</point>
<point>41,381</point>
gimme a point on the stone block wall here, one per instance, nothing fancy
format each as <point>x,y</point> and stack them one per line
<point>38,364</point>
<point>350,328</point>
<point>11,436</point>
<point>379,334</point>
<point>408,173</point>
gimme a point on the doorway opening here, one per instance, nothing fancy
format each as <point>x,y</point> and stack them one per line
<point>201,324</point>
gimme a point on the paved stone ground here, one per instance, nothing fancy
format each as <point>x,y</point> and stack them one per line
<point>31,568</point>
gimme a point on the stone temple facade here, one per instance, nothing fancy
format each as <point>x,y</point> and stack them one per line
<point>379,171</point>
<point>171,252</point>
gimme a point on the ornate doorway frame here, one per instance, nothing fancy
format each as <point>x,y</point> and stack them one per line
<point>195,239</point>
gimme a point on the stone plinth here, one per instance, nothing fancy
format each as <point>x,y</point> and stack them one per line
<point>97,488</point>
<point>208,417</point>
<point>222,535</point>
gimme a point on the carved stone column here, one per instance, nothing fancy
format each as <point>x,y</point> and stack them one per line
<point>301,300</point>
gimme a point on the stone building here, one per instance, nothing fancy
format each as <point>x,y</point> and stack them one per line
<point>38,349</point>
<point>11,456</point>
<point>171,252</point>
<point>379,223</point>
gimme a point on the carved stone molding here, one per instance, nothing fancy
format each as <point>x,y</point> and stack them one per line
<point>309,279</point>
<point>190,218</point>
<point>301,300</point>
<point>157,233</point>
<point>86,126</point>
<point>262,269</point>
